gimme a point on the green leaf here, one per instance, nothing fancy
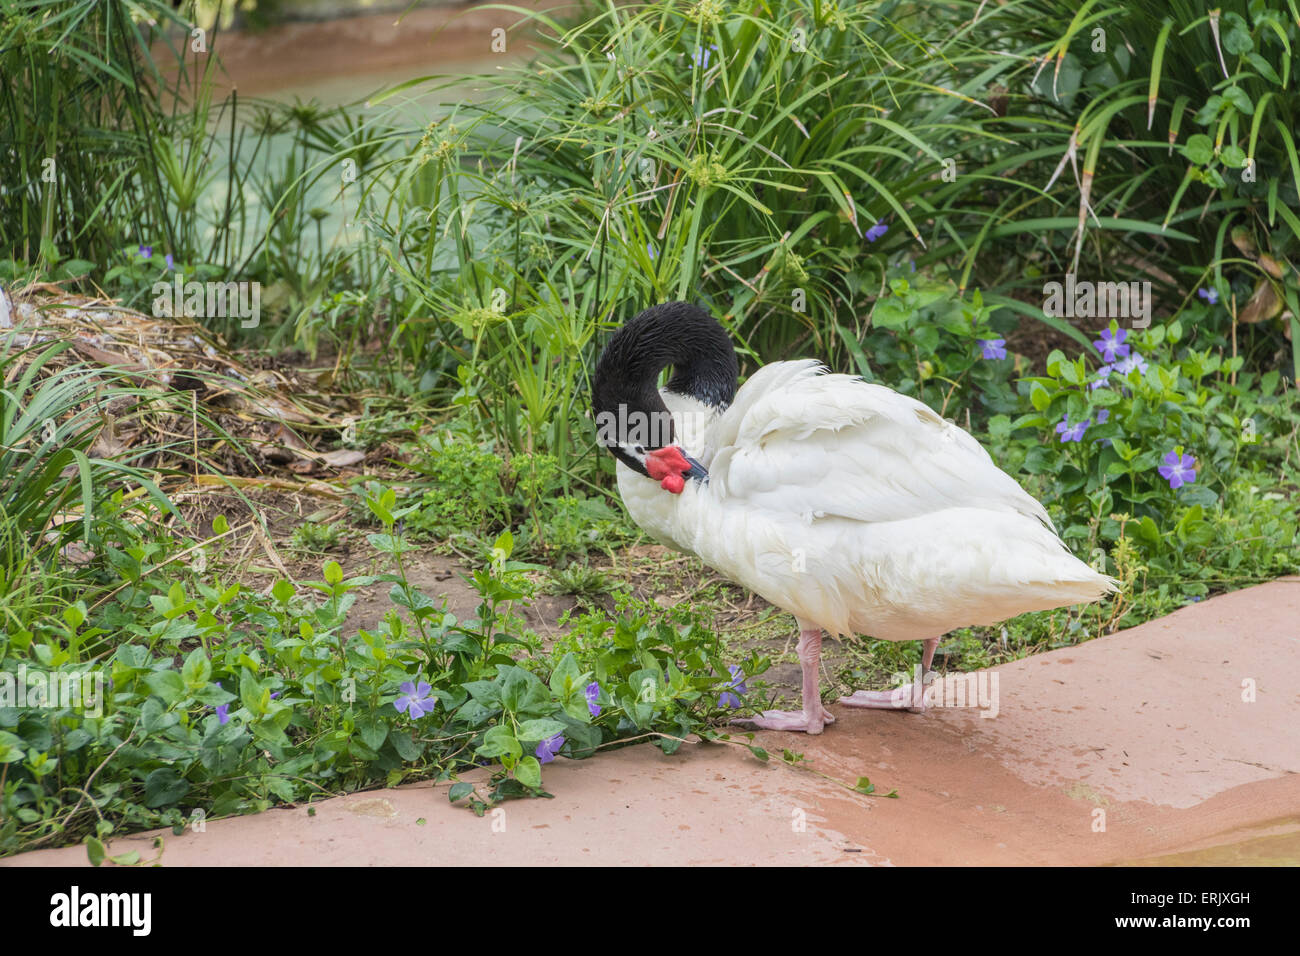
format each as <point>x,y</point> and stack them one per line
<point>196,670</point>
<point>522,693</point>
<point>1232,156</point>
<point>333,573</point>
<point>94,851</point>
<point>529,772</point>
<point>459,791</point>
<point>373,730</point>
<point>1237,40</point>
<point>891,313</point>
<point>75,614</point>
<point>1198,149</point>
<point>567,676</point>
<point>538,730</point>
<point>11,747</point>
<point>499,742</point>
<point>166,684</point>
<point>406,748</point>
<point>504,546</point>
<point>1240,99</point>
<point>164,787</point>
<point>213,696</point>
<point>1264,67</point>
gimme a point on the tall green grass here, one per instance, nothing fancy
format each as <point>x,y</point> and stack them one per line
<point>772,163</point>
<point>1159,139</point>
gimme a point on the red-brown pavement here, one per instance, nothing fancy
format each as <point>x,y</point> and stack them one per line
<point>1136,745</point>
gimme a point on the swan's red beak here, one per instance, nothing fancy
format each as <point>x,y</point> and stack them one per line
<point>671,468</point>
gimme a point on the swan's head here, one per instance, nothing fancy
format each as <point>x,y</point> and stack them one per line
<point>632,420</point>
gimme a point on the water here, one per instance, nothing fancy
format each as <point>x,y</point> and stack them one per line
<point>335,191</point>
<point>1273,849</point>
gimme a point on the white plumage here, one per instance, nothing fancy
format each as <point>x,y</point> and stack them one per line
<point>858,509</point>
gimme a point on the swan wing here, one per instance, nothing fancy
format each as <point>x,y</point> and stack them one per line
<point>802,441</point>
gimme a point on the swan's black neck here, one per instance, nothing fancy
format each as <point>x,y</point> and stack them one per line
<point>677,334</point>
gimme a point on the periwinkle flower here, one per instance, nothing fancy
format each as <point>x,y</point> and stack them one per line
<point>1210,295</point>
<point>1178,470</point>
<point>876,231</point>
<point>702,55</point>
<point>223,713</point>
<point>1133,362</point>
<point>1102,416</point>
<point>737,684</point>
<point>1111,344</point>
<point>548,748</point>
<point>591,692</point>
<point>170,264</point>
<point>1070,432</point>
<point>1103,377</point>
<point>146,252</point>
<point>993,348</point>
<point>415,700</point>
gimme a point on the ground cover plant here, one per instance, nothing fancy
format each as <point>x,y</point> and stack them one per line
<point>886,186</point>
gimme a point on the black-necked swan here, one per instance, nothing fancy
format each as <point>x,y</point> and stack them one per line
<point>855,508</point>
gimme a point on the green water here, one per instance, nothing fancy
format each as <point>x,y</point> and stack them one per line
<point>408,112</point>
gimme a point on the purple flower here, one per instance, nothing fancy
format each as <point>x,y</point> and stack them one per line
<point>1178,470</point>
<point>737,684</point>
<point>1133,362</point>
<point>223,713</point>
<point>876,231</point>
<point>415,700</point>
<point>993,348</point>
<point>168,259</point>
<point>1103,377</point>
<point>649,247</point>
<point>1070,432</point>
<point>702,56</point>
<point>146,252</point>
<point>1111,344</point>
<point>1210,295</point>
<point>591,692</point>
<point>1103,415</point>
<point>548,748</point>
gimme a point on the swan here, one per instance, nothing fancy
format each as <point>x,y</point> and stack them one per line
<point>856,509</point>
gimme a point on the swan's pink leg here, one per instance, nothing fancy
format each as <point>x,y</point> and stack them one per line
<point>909,697</point>
<point>814,716</point>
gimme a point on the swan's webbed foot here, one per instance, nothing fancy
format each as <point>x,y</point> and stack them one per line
<point>910,697</point>
<point>795,721</point>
